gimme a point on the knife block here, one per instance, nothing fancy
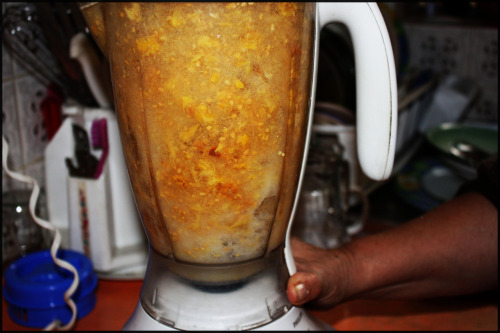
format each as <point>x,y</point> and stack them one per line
<point>97,217</point>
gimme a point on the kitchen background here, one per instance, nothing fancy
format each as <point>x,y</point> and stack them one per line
<point>461,38</point>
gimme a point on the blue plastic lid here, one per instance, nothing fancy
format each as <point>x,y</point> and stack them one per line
<point>35,283</point>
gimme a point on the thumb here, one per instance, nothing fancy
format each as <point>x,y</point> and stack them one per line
<point>303,287</point>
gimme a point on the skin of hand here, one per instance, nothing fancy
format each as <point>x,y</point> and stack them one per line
<point>449,251</point>
<point>322,276</point>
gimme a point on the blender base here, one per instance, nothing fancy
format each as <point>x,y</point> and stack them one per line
<point>295,319</point>
<point>242,296</point>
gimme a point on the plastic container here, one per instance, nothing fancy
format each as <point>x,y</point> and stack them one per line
<point>35,286</point>
<point>20,234</point>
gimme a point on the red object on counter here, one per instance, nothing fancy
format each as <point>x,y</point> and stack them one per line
<point>51,107</point>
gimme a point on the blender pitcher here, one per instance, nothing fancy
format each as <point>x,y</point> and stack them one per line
<point>214,103</point>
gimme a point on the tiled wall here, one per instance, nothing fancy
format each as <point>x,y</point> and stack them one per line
<point>469,51</point>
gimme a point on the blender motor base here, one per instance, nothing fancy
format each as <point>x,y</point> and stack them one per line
<point>295,319</point>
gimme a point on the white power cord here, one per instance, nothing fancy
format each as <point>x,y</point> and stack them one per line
<point>56,324</point>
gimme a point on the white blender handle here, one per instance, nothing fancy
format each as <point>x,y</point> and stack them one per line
<point>376,85</point>
<point>376,90</point>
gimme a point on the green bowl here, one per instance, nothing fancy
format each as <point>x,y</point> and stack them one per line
<point>444,136</point>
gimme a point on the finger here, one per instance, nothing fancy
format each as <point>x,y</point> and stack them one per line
<point>302,288</point>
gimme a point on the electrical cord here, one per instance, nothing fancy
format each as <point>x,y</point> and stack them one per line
<point>56,324</point>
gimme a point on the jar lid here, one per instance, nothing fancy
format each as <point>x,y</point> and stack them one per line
<point>35,282</point>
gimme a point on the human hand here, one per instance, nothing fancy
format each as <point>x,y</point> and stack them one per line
<point>321,279</point>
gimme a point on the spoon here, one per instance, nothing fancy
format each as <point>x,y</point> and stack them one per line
<point>469,152</point>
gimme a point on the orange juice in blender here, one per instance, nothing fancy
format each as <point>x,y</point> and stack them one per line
<point>212,100</point>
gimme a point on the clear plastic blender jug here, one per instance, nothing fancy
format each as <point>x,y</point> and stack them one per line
<point>214,103</point>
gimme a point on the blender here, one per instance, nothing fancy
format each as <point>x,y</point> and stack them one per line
<point>214,103</point>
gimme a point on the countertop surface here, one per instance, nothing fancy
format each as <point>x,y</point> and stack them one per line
<point>116,301</point>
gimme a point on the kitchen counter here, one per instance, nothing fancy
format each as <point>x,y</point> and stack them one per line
<point>116,301</point>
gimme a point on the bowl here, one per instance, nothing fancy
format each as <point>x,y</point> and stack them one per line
<point>445,137</point>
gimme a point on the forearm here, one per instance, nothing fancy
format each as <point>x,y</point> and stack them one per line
<point>420,258</point>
